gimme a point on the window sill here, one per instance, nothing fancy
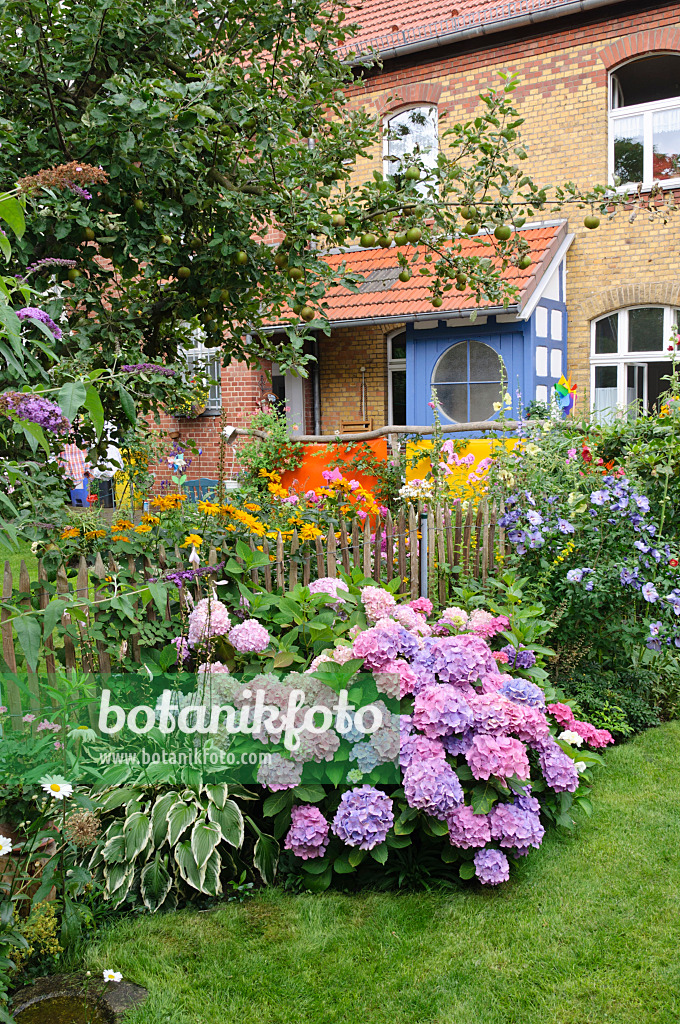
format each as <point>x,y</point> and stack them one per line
<point>646,188</point>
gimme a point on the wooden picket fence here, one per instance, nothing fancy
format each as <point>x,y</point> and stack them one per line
<point>425,549</point>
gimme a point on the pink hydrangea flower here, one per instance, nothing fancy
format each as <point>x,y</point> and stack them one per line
<point>208,618</point>
<point>378,603</point>
<point>330,586</point>
<point>592,736</point>
<point>308,834</point>
<point>419,748</point>
<point>422,605</point>
<point>483,623</point>
<point>250,636</point>
<point>500,756</point>
<point>501,657</point>
<point>562,714</point>
<point>468,830</point>
<point>441,710</point>
<point>491,712</point>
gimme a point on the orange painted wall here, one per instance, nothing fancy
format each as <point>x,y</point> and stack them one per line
<point>317,459</point>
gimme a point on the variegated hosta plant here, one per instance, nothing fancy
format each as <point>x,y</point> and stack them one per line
<point>162,842</point>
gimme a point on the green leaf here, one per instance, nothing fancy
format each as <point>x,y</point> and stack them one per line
<point>155,883</point>
<point>317,883</point>
<point>159,816</point>
<point>70,398</point>
<point>11,322</point>
<point>483,799</point>
<point>309,794</point>
<point>11,210</point>
<point>93,404</point>
<point>230,821</point>
<point>114,850</point>
<point>188,868</point>
<point>316,866</point>
<point>127,402</point>
<point>212,883</point>
<point>204,838</point>
<point>52,615</point>
<point>265,854</point>
<point>159,593</point>
<point>218,793</point>
<point>180,816</point>
<point>356,856</point>
<point>379,853</point>
<point>467,870</point>
<point>276,802</point>
<point>137,832</point>
<point>35,436</point>
<point>28,632</point>
<point>342,865</point>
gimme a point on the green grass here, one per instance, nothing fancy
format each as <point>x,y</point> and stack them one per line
<point>586,933</point>
<point>14,560</point>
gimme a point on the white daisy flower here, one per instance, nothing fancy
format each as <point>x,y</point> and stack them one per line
<point>57,787</point>
<point>5,846</point>
<point>112,976</point>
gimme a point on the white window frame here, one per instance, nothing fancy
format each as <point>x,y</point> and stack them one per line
<point>197,354</point>
<point>398,365</point>
<point>623,357</point>
<point>647,110</point>
<point>429,158</point>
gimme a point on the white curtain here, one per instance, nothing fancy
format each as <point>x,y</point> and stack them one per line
<point>604,405</point>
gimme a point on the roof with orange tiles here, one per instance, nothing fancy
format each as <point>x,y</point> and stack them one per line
<point>384,298</point>
<point>389,25</point>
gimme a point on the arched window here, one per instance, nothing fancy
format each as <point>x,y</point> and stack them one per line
<point>468,379</point>
<point>644,121</point>
<point>629,360</point>
<point>413,130</point>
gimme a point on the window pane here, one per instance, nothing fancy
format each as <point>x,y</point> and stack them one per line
<point>628,149</point>
<point>485,364</point>
<point>645,330</point>
<point>399,347</point>
<point>666,156</point>
<point>482,398</point>
<point>605,397</point>
<point>453,364</point>
<point>399,397</point>
<point>453,400</point>
<point>606,334</point>
<point>411,130</point>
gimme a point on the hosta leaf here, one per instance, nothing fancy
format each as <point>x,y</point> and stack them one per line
<point>114,850</point>
<point>188,868</point>
<point>212,884</point>
<point>115,875</point>
<point>204,838</point>
<point>155,883</point>
<point>230,821</point>
<point>217,792</point>
<point>266,857</point>
<point>180,816</point>
<point>137,831</point>
<point>159,816</point>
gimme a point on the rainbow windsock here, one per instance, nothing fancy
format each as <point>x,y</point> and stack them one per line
<point>565,393</point>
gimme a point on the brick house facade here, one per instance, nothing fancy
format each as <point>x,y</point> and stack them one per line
<point>578,72</point>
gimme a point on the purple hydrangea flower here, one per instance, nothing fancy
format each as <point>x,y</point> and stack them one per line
<point>467,829</point>
<point>363,818</point>
<point>33,313</point>
<point>461,659</point>
<point>455,745</point>
<point>519,658</point>
<point>516,826</point>
<point>559,771</point>
<point>308,835</point>
<point>441,710</point>
<point>433,786</point>
<point>491,867</point>
<point>500,756</point>
<point>524,692</point>
<point>419,748</point>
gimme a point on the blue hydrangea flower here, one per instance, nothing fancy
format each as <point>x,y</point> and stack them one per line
<point>521,691</point>
<point>363,818</point>
<point>365,757</point>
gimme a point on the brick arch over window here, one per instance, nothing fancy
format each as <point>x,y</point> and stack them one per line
<point>661,39</point>
<point>658,293</point>
<point>424,92</point>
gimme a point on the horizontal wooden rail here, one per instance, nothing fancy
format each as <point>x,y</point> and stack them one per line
<point>371,435</point>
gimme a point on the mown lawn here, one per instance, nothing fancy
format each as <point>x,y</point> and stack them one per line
<point>587,933</point>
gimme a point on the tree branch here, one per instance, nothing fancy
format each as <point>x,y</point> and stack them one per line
<point>216,176</point>
<point>55,120</point>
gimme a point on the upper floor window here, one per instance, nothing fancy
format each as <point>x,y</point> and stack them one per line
<point>644,121</point>
<point>208,360</point>
<point>630,360</point>
<point>413,130</point>
<point>468,380</point>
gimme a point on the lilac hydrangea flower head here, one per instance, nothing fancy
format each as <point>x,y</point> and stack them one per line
<point>337,655</point>
<point>208,618</point>
<point>378,647</point>
<point>441,710</point>
<point>467,829</point>
<point>490,712</point>
<point>433,786</point>
<point>518,657</point>
<point>516,826</point>
<point>32,313</point>
<point>414,747</point>
<point>456,617</point>
<point>500,756</point>
<point>378,603</point>
<point>363,818</point>
<point>411,620</point>
<point>308,835</point>
<point>249,636</point>
<point>528,724</point>
<point>521,691</point>
<point>459,744</point>
<point>491,867</point>
<point>279,773</point>
<point>461,659</point>
<point>559,771</point>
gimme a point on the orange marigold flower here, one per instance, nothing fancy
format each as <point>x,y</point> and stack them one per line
<point>123,524</point>
<point>70,533</point>
<point>119,536</point>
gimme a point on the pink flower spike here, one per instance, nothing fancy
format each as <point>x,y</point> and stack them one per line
<point>28,718</point>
